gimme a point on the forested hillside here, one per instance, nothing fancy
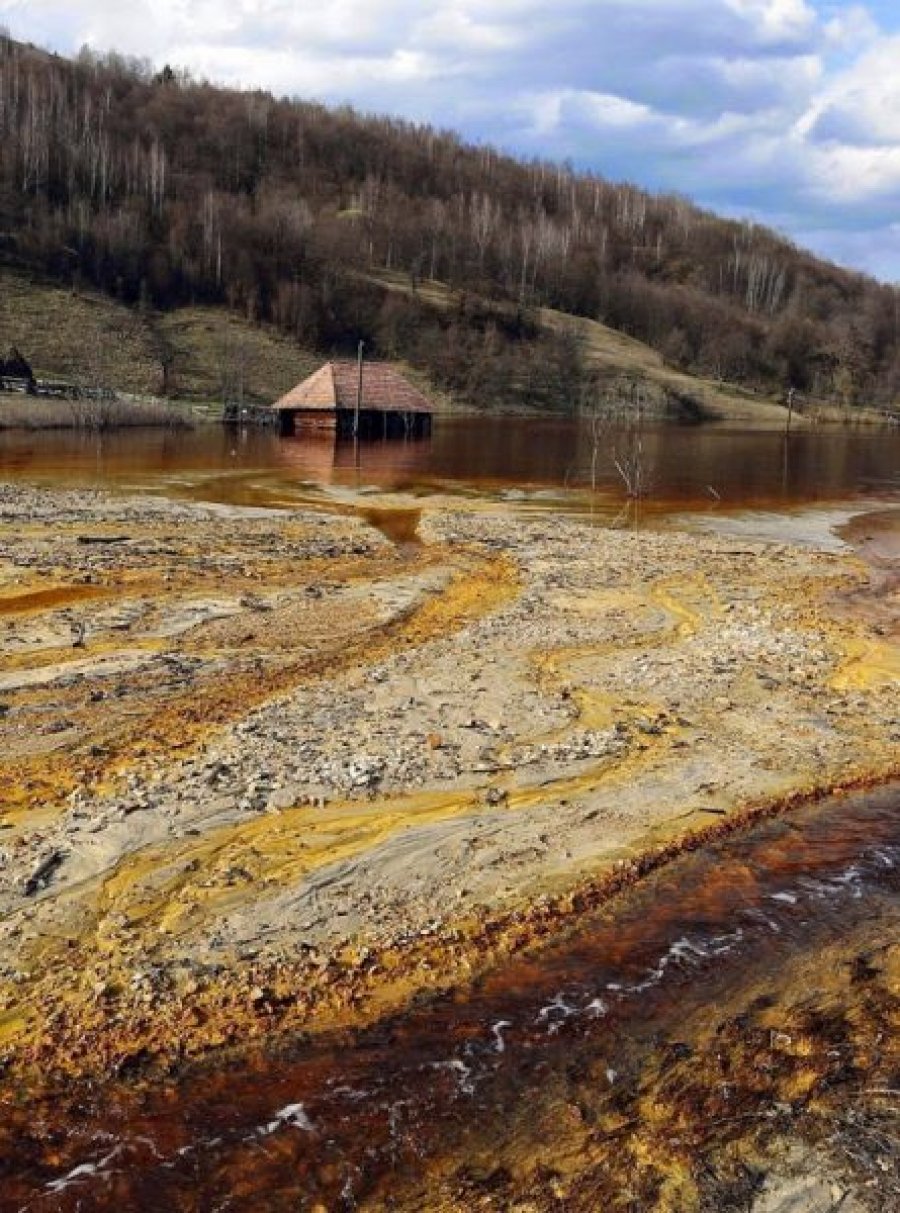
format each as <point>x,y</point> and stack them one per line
<point>165,192</point>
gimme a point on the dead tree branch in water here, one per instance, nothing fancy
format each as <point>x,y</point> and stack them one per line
<point>623,432</point>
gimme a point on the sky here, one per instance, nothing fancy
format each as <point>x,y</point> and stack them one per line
<point>783,111</point>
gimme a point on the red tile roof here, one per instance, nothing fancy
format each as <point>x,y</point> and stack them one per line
<point>334,386</point>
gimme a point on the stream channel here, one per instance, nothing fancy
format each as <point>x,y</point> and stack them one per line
<point>741,989</point>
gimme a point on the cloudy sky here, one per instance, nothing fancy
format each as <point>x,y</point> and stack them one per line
<point>784,110</point>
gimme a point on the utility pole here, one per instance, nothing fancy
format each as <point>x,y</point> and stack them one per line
<point>358,390</point>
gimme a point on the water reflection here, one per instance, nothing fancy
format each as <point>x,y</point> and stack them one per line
<point>325,459</point>
<point>738,466</point>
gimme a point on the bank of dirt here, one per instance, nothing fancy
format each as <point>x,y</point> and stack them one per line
<point>268,770</point>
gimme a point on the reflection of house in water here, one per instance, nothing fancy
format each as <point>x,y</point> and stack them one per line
<point>368,401</point>
<point>319,456</point>
<point>312,458</point>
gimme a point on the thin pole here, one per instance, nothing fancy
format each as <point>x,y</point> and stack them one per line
<point>358,390</point>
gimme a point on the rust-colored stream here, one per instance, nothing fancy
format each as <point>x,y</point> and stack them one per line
<point>45,600</point>
<point>491,1090</point>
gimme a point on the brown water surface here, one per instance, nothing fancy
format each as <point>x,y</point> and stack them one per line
<point>580,1041</point>
<point>705,465</point>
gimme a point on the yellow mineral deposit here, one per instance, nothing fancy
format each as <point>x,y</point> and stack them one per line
<point>506,715</point>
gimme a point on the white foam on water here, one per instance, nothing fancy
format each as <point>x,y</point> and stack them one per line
<point>204,1143</point>
<point>354,1094</point>
<point>758,915</point>
<point>151,1146</point>
<point>395,1117</point>
<point>555,1014</point>
<point>292,1116</point>
<point>85,1170</point>
<point>497,1030</point>
<point>721,945</point>
<point>596,1008</point>
<point>684,952</point>
<point>830,888</point>
<point>852,881</point>
<point>462,1072</point>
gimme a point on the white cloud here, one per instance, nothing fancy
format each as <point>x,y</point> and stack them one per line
<point>860,106</point>
<point>778,20</point>
<point>843,175</point>
<point>851,28</point>
<point>453,28</point>
<point>613,112</point>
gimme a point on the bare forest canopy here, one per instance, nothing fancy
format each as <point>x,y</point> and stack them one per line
<point>165,192</point>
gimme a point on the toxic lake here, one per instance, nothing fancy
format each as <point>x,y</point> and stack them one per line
<point>739,466</point>
<point>429,826</point>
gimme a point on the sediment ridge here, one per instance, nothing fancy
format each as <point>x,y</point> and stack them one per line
<point>268,770</point>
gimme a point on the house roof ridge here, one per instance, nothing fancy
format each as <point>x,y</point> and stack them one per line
<point>334,386</point>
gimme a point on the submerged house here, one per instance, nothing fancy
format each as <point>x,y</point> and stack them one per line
<point>372,402</point>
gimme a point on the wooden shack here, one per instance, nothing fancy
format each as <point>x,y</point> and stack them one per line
<point>374,401</point>
<point>15,373</point>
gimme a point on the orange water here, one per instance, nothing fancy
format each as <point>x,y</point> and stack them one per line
<point>710,465</point>
<point>360,1116</point>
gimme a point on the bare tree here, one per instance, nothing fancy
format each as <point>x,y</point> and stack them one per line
<point>620,430</point>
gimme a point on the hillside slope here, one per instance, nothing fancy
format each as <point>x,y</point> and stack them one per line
<point>617,361</point>
<point>208,354</point>
<point>166,193</point>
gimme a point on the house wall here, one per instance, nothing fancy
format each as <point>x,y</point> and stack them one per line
<point>383,423</point>
<point>373,423</point>
<point>300,420</point>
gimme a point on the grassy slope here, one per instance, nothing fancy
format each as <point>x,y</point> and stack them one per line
<point>614,353</point>
<point>211,343</point>
<point>91,339</point>
<point>82,338</point>
<point>618,354</point>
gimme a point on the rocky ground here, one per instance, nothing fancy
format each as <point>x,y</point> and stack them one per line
<point>268,769</point>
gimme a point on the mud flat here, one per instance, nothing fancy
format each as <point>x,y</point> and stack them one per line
<point>269,770</point>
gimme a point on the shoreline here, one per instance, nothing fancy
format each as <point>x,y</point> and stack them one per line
<point>125,412</point>
<point>241,888</point>
<point>21,413</point>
